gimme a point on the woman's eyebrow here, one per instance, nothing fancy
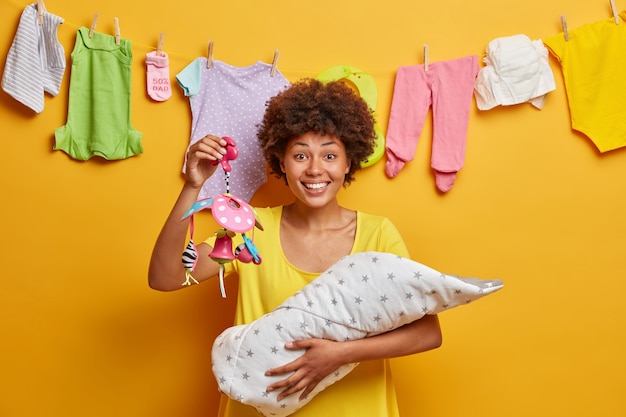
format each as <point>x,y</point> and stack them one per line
<point>329,143</point>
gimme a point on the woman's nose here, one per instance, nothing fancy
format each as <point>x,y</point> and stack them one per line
<point>314,167</point>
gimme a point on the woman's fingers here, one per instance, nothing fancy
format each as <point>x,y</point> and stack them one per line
<point>209,147</point>
<point>202,158</point>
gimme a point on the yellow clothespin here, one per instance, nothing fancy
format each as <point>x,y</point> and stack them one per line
<point>564,24</point>
<point>614,10</point>
<point>117,30</point>
<point>209,60</point>
<point>40,9</point>
<point>93,25</point>
<point>160,45</point>
<point>425,57</point>
<point>274,63</point>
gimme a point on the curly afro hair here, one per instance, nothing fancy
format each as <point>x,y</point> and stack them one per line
<point>309,105</point>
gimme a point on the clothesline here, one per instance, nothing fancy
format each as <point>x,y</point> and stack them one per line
<point>308,72</point>
<point>483,83</point>
<point>187,58</point>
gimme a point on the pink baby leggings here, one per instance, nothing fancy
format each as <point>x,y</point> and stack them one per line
<point>447,86</point>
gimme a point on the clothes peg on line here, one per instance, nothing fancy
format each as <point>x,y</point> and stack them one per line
<point>116,22</point>
<point>425,57</point>
<point>93,25</point>
<point>40,9</point>
<point>209,60</point>
<point>274,63</point>
<point>160,44</point>
<point>614,10</point>
<point>564,24</point>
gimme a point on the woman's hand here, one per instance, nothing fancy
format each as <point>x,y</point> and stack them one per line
<point>202,157</point>
<point>321,358</point>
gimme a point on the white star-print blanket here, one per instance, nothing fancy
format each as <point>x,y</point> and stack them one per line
<point>359,296</point>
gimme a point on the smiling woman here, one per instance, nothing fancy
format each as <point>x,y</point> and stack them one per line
<point>315,167</point>
<point>536,204</point>
<point>331,109</point>
<point>315,136</point>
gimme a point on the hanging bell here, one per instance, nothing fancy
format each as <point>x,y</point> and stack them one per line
<point>222,249</point>
<point>247,251</point>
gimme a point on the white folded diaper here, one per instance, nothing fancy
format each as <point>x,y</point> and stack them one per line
<point>516,71</point>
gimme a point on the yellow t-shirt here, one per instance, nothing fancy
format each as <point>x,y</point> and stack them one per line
<point>367,391</point>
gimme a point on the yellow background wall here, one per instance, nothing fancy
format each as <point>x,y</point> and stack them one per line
<point>535,205</point>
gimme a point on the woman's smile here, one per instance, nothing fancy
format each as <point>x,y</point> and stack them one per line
<point>318,186</point>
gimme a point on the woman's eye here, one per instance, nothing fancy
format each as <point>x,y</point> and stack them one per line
<point>331,156</point>
<point>300,156</point>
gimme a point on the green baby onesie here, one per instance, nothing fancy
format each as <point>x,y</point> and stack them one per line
<point>98,117</point>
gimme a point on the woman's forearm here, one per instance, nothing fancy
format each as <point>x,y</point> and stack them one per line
<point>166,271</point>
<point>419,336</point>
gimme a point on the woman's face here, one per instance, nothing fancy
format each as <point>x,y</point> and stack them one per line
<point>315,167</point>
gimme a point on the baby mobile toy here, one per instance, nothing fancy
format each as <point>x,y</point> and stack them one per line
<point>234,216</point>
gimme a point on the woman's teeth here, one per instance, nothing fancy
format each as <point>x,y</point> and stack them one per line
<point>315,186</point>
